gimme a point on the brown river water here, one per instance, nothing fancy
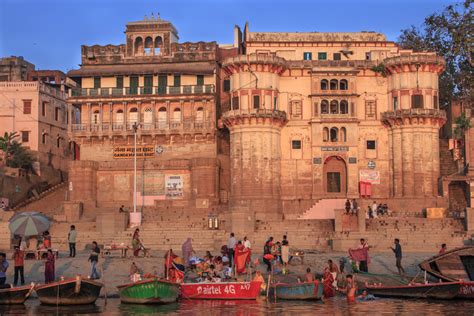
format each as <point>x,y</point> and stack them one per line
<point>334,306</point>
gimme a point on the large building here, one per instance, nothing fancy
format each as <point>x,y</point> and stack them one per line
<point>263,128</point>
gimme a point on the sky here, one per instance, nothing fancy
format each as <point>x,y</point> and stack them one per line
<point>49,33</point>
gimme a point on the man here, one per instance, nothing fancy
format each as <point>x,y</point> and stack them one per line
<point>94,259</point>
<point>231,243</point>
<point>363,265</point>
<point>71,238</point>
<point>398,256</point>
<point>19,259</point>
<point>247,243</point>
<point>3,269</point>
<point>443,249</point>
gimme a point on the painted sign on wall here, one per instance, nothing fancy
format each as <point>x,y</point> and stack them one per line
<point>174,186</point>
<point>127,152</point>
<point>370,176</point>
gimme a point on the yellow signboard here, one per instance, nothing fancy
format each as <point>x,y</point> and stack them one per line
<point>127,152</point>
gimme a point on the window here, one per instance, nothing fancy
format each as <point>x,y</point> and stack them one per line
<point>322,56</point>
<point>226,85</point>
<point>43,108</point>
<point>26,106</point>
<point>307,56</point>
<point>235,103</point>
<point>296,144</point>
<point>56,113</point>
<point>25,136</point>
<point>324,84</point>
<point>96,82</point>
<point>333,84</point>
<point>367,56</point>
<point>371,144</point>
<point>200,80</point>
<point>119,82</point>
<point>177,80</point>
<point>417,101</point>
<point>435,102</point>
<point>336,56</point>
<point>324,107</point>
<point>256,101</point>
<point>343,84</point>
<point>395,103</point>
<point>370,109</point>
<point>333,133</point>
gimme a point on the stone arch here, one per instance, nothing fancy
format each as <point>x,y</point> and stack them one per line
<point>138,45</point>
<point>335,176</point>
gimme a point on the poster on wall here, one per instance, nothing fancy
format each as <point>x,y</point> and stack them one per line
<point>370,176</point>
<point>174,186</point>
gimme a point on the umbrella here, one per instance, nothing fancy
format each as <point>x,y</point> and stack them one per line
<point>29,224</point>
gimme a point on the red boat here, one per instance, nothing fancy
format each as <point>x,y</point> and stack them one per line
<point>221,291</point>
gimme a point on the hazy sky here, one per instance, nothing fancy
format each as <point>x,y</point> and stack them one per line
<point>49,33</point>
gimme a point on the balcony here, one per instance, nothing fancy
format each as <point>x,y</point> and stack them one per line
<point>133,91</point>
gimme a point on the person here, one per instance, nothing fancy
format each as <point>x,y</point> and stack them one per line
<point>309,277</point>
<point>231,243</point>
<point>267,254</point>
<point>350,289</point>
<point>19,259</point>
<point>136,243</point>
<point>187,249</point>
<point>46,240</point>
<point>333,269</point>
<point>49,269</point>
<point>71,238</point>
<point>374,209</point>
<point>398,256</point>
<point>442,250</point>
<point>363,264</point>
<point>94,259</point>
<point>3,268</point>
<point>247,243</point>
<point>355,207</point>
<point>348,206</point>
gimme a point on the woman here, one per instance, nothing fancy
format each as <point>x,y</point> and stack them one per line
<point>188,250</point>
<point>136,243</point>
<point>49,267</point>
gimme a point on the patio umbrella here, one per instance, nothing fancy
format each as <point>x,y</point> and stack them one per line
<point>29,224</point>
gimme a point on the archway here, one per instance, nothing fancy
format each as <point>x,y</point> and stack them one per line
<point>335,176</point>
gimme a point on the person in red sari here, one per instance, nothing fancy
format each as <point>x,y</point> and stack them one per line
<point>49,267</point>
<point>241,257</point>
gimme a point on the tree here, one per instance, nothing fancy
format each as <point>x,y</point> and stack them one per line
<point>449,34</point>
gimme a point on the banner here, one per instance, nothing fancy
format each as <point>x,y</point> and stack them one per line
<point>370,176</point>
<point>174,186</point>
<point>127,152</point>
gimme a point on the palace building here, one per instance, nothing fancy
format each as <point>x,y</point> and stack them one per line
<point>264,128</point>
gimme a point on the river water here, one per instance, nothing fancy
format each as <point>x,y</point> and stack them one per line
<point>334,306</point>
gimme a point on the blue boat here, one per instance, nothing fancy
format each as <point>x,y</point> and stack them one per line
<point>297,291</point>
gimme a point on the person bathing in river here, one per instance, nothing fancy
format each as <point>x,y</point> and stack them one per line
<point>350,289</point>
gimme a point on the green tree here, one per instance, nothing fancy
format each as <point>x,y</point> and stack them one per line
<point>448,33</point>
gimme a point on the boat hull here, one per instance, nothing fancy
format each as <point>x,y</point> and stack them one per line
<point>445,291</point>
<point>221,291</point>
<point>149,292</point>
<point>69,292</point>
<point>299,291</point>
<point>15,295</point>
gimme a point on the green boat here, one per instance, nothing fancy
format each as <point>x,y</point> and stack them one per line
<point>152,291</point>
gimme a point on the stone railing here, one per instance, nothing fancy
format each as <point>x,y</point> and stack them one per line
<point>132,91</point>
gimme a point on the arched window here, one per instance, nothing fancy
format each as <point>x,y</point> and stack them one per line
<point>119,117</point>
<point>343,107</point>
<point>148,45</point>
<point>342,134</point>
<point>95,117</point>
<point>324,107</point>
<point>343,84</point>
<point>334,108</point>
<point>333,84</point>
<point>162,118</point>
<point>148,116</point>
<point>325,134</point>
<point>133,115</point>
<point>158,44</point>
<point>333,133</point>
<point>177,115</point>
<point>200,115</point>
<point>138,46</point>
<point>324,84</point>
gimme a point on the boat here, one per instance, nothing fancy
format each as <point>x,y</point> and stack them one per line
<point>453,266</point>
<point>15,295</point>
<point>151,291</point>
<point>76,291</point>
<point>297,291</point>
<point>448,290</point>
<point>221,290</point>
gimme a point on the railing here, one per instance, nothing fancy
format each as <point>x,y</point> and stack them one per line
<point>157,90</point>
<point>163,126</point>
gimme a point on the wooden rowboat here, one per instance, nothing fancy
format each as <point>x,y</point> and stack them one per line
<point>15,295</point>
<point>448,290</point>
<point>297,291</point>
<point>221,291</point>
<point>76,291</point>
<point>152,291</point>
<point>453,266</point>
